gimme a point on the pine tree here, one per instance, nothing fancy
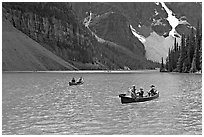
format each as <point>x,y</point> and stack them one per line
<point>179,64</point>
<point>184,67</point>
<point>193,66</point>
<point>198,46</point>
<point>200,58</point>
<point>201,51</point>
<point>188,56</point>
<point>201,63</point>
<point>182,55</point>
<point>188,60</point>
<point>167,64</point>
<point>173,60</point>
<point>175,45</point>
<point>177,51</point>
<point>169,61</point>
<point>162,65</point>
<point>197,58</point>
<point>192,45</point>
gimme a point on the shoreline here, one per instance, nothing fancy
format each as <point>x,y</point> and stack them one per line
<point>101,71</point>
<point>85,71</point>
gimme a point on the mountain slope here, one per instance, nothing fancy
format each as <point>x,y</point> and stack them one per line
<point>148,20</point>
<point>21,53</point>
<point>115,28</point>
<point>115,21</point>
<point>153,49</point>
<point>58,28</point>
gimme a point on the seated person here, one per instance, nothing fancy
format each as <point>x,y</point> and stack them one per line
<point>80,80</point>
<point>128,93</point>
<point>141,92</point>
<point>73,80</point>
<point>152,91</point>
<point>133,92</point>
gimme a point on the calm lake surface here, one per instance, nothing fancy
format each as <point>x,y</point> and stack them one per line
<point>44,103</point>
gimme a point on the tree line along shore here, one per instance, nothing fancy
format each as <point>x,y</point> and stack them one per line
<point>186,58</point>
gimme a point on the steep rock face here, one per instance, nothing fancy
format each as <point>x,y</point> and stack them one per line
<point>145,18</point>
<point>21,53</point>
<point>188,12</point>
<point>115,28</point>
<point>60,33</point>
<point>56,27</point>
<point>140,15</point>
<point>112,22</point>
<point>146,14</point>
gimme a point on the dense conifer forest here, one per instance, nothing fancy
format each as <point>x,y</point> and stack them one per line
<point>188,56</point>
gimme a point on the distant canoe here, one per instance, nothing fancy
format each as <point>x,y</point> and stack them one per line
<point>75,83</point>
<point>125,99</point>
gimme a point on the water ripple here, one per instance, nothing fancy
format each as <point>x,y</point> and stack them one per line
<point>47,105</point>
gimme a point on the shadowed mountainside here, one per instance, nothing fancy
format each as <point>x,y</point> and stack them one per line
<point>97,35</point>
<point>56,27</point>
<point>21,53</point>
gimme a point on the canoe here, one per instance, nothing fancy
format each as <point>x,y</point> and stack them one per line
<point>125,99</point>
<point>75,83</point>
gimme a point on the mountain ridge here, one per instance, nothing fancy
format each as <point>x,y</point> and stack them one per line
<point>97,35</point>
<point>145,18</point>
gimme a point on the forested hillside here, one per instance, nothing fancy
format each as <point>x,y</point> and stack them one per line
<point>56,27</point>
<point>187,57</point>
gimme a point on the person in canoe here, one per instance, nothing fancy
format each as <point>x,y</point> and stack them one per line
<point>80,80</point>
<point>141,92</point>
<point>152,91</point>
<point>128,93</point>
<point>73,80</point>
<point>133,92</point>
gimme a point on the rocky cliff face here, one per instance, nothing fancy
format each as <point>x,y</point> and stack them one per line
<point>21,53</point>
<point>53,26</point>
<point>129,25</point>
<point>188,12</point>
<point>116,28</point>
<point>149,21</point>
<point>103,35</point>
<point>57,27</point>
<point>145,17</point>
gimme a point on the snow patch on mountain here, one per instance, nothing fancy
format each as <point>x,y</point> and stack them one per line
<point>98,39</point>
<point>140,37</point>
<point>157,3</point>
<point>182,20</point>
<point>158,22</point>
<point>87,22</point>
<point>157,46</point>
<point>156,12</point>
<point>173,21</point>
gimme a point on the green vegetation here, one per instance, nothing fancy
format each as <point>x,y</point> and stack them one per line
<point>188,57</point>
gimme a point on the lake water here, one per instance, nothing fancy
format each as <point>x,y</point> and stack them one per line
<point>43,103</point>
